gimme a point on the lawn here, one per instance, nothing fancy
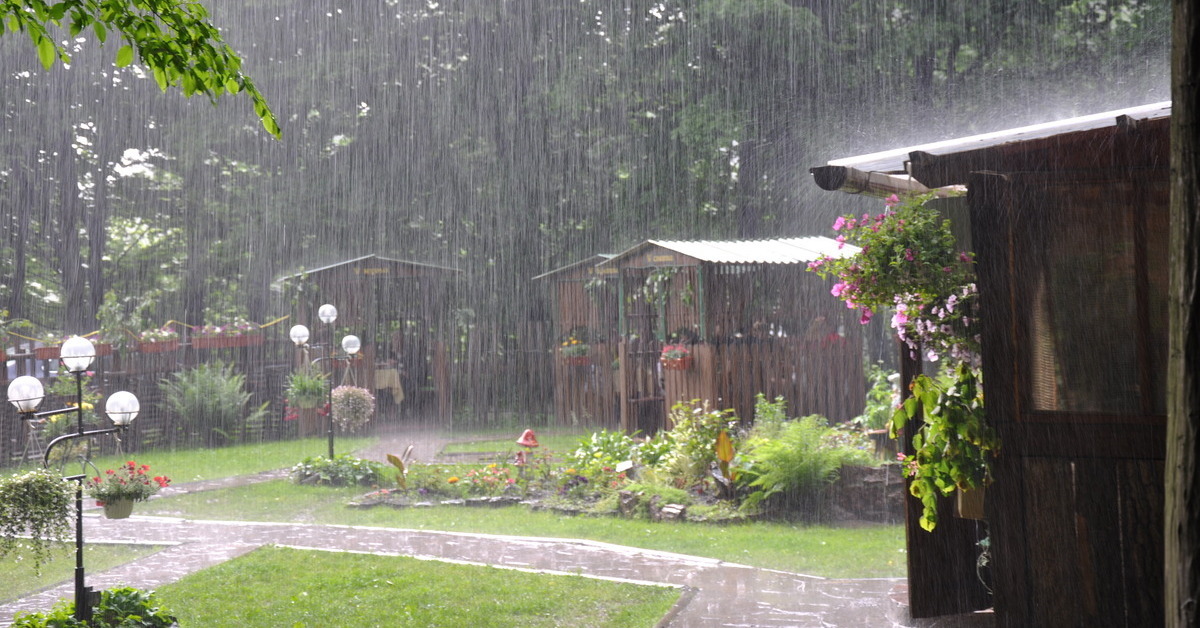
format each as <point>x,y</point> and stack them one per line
<point>269,588</point>
<point>20,579</point>
<point>190,465</point>
<point>836,552</point>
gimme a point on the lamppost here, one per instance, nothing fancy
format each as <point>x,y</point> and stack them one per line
<point>26,394</point>
<point>350,346</point>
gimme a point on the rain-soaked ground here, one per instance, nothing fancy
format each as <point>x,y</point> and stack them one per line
<point>715,593</point>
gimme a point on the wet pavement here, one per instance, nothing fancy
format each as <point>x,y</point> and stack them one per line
<point>715,593</point>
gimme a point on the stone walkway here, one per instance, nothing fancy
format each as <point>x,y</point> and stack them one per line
<point>715,593</point>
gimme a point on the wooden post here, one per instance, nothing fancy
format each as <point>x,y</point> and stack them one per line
<point>1182,517</point>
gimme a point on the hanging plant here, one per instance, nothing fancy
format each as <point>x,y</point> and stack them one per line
<point>353,407</point>
<point>35,510</point>
<point>305,390</point>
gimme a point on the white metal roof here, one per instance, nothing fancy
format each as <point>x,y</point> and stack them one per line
<point>773,251</point>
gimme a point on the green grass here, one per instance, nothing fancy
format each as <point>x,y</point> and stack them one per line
<point>21,580</point>
<point>190,465</point>
<point>834,552</point>
<point>267,588</point>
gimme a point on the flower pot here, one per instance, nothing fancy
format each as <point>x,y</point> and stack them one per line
<point>969,504</point>
<point>102,348</point>
<point>160,346</point>
<point>226,342</point>
<point>577,360</point>
<point>677,364</point>
<point>118,509</point>
<point>46,353</point>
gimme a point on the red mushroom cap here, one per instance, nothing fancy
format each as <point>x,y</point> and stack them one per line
<point>528,439</point>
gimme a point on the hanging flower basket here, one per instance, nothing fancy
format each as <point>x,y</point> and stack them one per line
<point>677,364</point>
<point>102,348</point>
<point>46,353</point>
<point>577,360</point>
<point>118,509</point>
<point>227,342</point>
<point>164,346</point>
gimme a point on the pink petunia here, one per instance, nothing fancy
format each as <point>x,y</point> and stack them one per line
<point>839,223</point>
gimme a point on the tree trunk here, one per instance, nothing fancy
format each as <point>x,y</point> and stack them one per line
<point>1182,517</point>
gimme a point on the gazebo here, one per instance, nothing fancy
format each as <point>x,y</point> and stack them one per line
<point>1069,224</point>
<point>398,308</point>
<point>750,317</point>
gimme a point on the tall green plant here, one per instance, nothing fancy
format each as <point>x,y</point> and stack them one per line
<point>791,467</point>
<point>211,400</point>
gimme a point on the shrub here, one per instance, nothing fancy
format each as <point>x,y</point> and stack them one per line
<point>881,400</point>
<point>121,607</point>
<point>343,470</point>
<point>791,469</point>
<point>694,437</point>
<point>211,399</point>
<point>604,449</point>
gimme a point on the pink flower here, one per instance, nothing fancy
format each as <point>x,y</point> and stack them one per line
<point>964,256</point>
<point>891,201</point>
<point>908,254</point>
<point>838,289</point>
<point>841,240</point>
<point>899,319</point>
<point>839,223</point>
<point>866,316</point>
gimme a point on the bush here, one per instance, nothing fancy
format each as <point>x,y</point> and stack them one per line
<point>604,449</point>
<point>122,607</point>
<point>694,437</point>
<point>790,470</point>
<point>211,399</point>
<point>343,470</point>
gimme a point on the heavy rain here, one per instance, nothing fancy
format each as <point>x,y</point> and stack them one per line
<point>601,306</point>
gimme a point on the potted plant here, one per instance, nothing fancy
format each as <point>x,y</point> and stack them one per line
<point>952,446</point>
<point>158,340</point>
<point>51,344</point>
<point>574,349</point>
<point>676,357</point>
<point>35,510</point>
<point>118,489</point>
<point>239,333</point>
<point>306,392</point>
<point>352,407</point>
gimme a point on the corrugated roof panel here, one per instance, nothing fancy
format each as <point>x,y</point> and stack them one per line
<point>774,251</point>
<point>893,161</point>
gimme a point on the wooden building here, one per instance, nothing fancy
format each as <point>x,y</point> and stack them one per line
<point>1069,222</point>
<point>752,320</point>
<point>398,309</point>
<point>587,309</point>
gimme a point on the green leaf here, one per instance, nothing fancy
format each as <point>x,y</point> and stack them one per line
<point>101,31</point>
<point>125,56</point>
<point>47,52</point>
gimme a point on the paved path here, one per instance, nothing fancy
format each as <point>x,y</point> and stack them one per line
<point>716,593</point>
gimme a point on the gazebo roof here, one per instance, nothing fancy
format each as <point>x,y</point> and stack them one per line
<point>771,251</point>
<point>374,265</point>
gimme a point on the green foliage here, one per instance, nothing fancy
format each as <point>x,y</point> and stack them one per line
<point>881,399</point>
<point>211,399</point>
<point>121,607</point>
<point>306,389</point>
<point>604,448</point>
<point>694,437</point>
<point>791,468</point>
<point>953,444</point>
<point>343,470</point>
<point>37,504</point>
<point>175,41</point>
